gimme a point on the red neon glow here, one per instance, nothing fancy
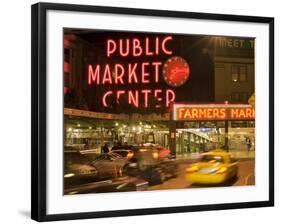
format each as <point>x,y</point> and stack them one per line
<point>135,47</point>
<point>137,50</point>
<point>164,49</point>
<point>66,67</point>
<point>107,75</point>
<point>156,71</point>
<point>170,97</point>
<point>157,45</point>
<point>176,71</point>
<point>111,47</point>
<point>104,98</point>
<point>93,76</point>
<point>119,73</point>
<point>146,92</point>
<point>132,73</point>
<point>127,51</point>
<point>133,98</point>
<point>119,93</point>
<point>144,74</point>
<point>157,94</point>
<point>147,50</point>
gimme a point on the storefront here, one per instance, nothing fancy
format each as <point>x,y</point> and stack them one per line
<point>91,130</point>
<point>202,127</point>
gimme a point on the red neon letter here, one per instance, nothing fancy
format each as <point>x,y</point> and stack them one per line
<point>164,45</point>
<point>146,92</point>
<point>104,98</point>
<point>119,92</point>
<point>159,99</point>
<point>133,99</point>
<point>137,50</point>
<point>132,73</point>
<point>147,52</point>
<point>157,45</point>
<point>107,75</point>
<point>118,75</point>
<point>111,47</point>
<point>143,73</point>
<point>121,43</point>
<point>170,97</point>
<point>156,65</point>
<point>93,76</point>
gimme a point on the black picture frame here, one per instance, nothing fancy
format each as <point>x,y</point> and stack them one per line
<point>38,108</point>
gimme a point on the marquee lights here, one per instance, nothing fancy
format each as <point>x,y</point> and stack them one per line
<point>122,75</point>
<point>214,112</point>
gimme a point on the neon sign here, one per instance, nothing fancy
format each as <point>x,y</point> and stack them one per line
<point>124,75</point>
<point>219,112</point>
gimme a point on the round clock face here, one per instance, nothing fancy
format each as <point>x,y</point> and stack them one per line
<point>176,71</point>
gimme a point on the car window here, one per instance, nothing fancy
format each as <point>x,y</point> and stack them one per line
<point>209,158</point>
<point>101,157</point>
<point>115,155</point>
<point>123,153</point>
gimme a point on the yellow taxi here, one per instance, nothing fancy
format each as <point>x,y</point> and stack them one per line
<point>214,167</point>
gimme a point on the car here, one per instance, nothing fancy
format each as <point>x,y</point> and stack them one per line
<point>214,167</point>
<point>146,163</point>
<point>109,165</point>
<point>77,167</point>
<point>120,184</point>
<point>125,153</point>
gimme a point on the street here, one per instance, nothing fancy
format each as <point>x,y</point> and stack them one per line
<point>245,177</point>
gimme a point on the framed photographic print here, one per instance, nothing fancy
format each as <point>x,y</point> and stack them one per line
<point>138,111</point>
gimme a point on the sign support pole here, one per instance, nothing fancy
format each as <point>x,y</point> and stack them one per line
<point>172,135</point>
<point>226,136</point>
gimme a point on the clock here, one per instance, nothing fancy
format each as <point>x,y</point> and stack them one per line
<point>176,71</point>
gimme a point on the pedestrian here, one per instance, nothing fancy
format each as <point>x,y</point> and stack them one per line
<point>105,148</point>
<point>248,144</point>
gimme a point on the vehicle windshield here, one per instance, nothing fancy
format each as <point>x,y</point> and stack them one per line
<point>123,153</point>
<point>212,158</point>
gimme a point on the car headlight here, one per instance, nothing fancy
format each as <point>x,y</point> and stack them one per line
<point>68,175</point>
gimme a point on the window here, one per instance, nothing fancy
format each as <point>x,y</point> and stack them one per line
<point>239,73</point>
<point>241,97</point>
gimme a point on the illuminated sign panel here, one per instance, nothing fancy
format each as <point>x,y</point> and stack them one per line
<point>213,112</point>
<point>125,74</point>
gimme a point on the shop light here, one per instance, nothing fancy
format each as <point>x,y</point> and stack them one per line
<point>134,128</point>
<point>116,124</point>
<point>90,127</point>
<point>69,129</point>
<point>78,125</point>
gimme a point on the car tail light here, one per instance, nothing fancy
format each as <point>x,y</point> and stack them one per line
<point>155,155</point>
<point>222,170</point>
<point>130,155</point>
<point>191,169</point>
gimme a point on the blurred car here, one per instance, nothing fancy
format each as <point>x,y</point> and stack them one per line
<point>214,167</point>
<point>78,168</point>
<point>125,153</point>
<point>109,165</point>
<point>121,184</point>
<point>146,163</point>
